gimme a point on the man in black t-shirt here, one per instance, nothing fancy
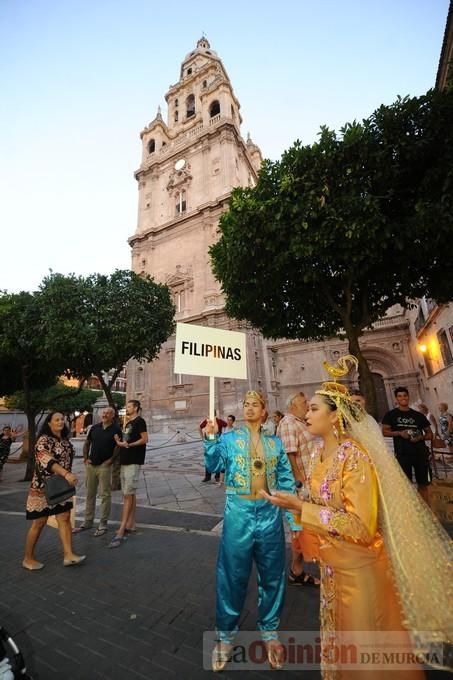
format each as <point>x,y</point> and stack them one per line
<point>98,452</point>
<point>132,457</point>
<point>409,429</point>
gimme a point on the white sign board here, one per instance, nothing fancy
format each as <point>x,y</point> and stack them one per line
<point>201,350</point>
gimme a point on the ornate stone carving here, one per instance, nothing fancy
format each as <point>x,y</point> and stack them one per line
<point>181,277</point>
<point>213,300</point>
<point>179,178</point>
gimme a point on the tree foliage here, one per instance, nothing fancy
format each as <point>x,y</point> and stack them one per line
<point>80,327</point>
<point>23,363</point>
<point>71,401</point>
<point>337,232</point>
<point>21,358</point>
<point>100,322</point>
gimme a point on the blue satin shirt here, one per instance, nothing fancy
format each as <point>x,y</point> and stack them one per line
<point>231,452</point>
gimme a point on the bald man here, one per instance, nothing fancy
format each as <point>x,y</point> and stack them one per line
<point>98,455</point>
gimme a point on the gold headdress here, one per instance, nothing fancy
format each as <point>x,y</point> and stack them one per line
<point>253,394</point>
<point>420,550</point>
<point>339,393</point>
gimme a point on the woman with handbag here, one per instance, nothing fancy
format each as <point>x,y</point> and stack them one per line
<point>53,456</point>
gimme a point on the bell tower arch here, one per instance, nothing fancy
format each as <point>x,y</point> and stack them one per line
<point>189,166</point>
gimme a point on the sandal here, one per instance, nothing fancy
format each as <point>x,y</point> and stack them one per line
<point>100,531</point>
<point>303,579</point>
<point>117,541</point>
<point>130,531</point>
<point>221,655</point>
<point>78,530</point>
<point>275,654</point>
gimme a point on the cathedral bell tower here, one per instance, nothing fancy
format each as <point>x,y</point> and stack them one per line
<point>190,164</point>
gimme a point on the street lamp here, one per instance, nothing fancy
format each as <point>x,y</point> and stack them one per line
<point>423,348</point>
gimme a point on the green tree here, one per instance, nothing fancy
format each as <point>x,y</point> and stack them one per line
<point>100,322</point>
<point>337,232</point>
<point>23,363</point>
<point>60,397</point>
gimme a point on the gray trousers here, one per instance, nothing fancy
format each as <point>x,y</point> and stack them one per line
<point>98,477</point>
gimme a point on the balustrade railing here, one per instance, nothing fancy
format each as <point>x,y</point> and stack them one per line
<point>390,321</point>
<point>214,119</point>
<point>182,139</point>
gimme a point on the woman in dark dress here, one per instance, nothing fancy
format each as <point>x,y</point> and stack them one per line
<point>53,455</point>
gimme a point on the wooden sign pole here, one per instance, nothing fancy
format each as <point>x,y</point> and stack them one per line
<point>211,400</point>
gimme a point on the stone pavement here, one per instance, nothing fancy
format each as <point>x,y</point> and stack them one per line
<point>139,611</point>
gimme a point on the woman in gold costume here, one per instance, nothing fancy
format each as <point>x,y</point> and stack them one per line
<point>385,560</point>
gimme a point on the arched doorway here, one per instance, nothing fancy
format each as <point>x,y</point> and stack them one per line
<point>381,395</point>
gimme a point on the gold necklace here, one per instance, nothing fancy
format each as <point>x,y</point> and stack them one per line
<point>258,461</point>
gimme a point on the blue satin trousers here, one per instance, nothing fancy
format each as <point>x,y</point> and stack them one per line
<point>252,530</point>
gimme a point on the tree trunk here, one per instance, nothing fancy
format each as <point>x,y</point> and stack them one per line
<point>31,445</point>
<point>31,415</point>
<point>107,387</point>
<point>366,377</point>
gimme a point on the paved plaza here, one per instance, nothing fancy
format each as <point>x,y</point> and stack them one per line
<point>139,611</point>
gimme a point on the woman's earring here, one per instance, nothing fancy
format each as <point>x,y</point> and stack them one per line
<point>335,431</point>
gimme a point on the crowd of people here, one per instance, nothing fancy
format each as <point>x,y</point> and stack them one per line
<point>54,455</point>
<point>350,505</point>
<point>358,515</point>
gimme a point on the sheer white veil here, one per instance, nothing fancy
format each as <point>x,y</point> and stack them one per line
<point>419,548</point>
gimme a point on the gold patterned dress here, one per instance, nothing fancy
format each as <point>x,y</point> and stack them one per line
<point>357,588</point>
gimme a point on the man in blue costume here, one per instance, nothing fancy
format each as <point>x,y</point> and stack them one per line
<point>252,530</point>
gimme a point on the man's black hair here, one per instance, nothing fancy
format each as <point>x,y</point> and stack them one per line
<point>136,403</point>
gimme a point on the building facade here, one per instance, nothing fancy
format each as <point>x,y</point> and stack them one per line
<point>432,348</point>
<point>298,365</point>
<point>190,164</point>
<point>432,324</point>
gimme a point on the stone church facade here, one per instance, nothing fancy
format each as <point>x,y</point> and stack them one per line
<point>190,164</point>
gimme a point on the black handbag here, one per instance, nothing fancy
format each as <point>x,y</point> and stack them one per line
<point>58,489</point>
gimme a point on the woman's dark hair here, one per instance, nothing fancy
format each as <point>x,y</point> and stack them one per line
<point>329,402</point>
<point>356,412</point>
<point>45,427</point>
